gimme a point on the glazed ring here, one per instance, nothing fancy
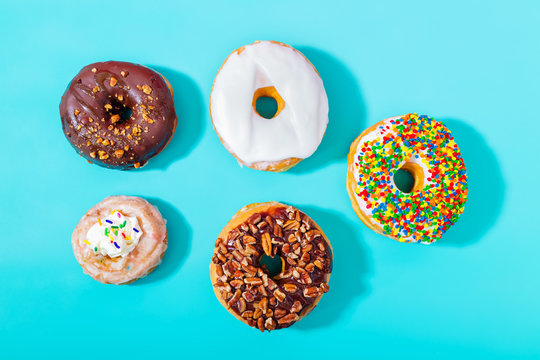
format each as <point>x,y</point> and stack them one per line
<point>118,114</point>
<point>269,69</point>
<point>120,239</point>
<point>246,289</point>
<point>425,148</point>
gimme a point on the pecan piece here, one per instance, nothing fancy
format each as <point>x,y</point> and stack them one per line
<point>290,288</point>
<point>249,239</point>
<point>247,314</point>
<point>279,295</point>
<point>291,225</point>
<point>270,324</point>
<point>279,313</point>
<point>260,324</point>
<point>307,248</point>
<point>286,248</point>
<point>253,281</point>
<point>318,264</point>
<point>311,292</point>
<point>324,287</point>
<point>254,219</point>
<point>241,305</point>
<point>267,243</point>
<point>257,314</point>
<point>237,295</point>
<point>312,234</point>
<point>236,283</point>
<point>277,231</point>
<point>248,296</point>
<point>263,304</point>
<point>296,307</point>
<point>288,319</point>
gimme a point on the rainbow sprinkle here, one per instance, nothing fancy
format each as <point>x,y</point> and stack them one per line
<point>420,216</point>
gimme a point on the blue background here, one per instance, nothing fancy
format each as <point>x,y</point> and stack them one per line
<point>473,65</point>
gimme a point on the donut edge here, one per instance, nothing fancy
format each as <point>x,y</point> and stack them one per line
<point>240,217</point>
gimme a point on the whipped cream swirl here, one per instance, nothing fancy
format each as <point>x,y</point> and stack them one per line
<point>116,235</point>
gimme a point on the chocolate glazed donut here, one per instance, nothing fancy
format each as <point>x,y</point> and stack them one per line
<point>247,289</point>
<point>118,114</point>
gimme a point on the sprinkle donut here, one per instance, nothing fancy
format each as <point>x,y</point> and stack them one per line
<point>118,114</point>
<point>276,70</point>
<point>425,148</point>
<point>120,240</point>
<point>246,289</point>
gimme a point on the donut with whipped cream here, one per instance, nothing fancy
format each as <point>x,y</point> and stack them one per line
<point>426,149</point>
<point>247,289</point>
<point>120,240</point>
<point>276,70</point>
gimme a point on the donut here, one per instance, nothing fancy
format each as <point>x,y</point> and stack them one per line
<point>120,240</point>
<point>275,70</point>
<point>247,289</point>
<point>118,114</point>
<point>426,149</point>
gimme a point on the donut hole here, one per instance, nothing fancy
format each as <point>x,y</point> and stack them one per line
<point>118,108</point>
<point>272,265</point>
<point>267,102</point>
<point>409,178</point>
<point>266,107</point>
<point>404,180</point>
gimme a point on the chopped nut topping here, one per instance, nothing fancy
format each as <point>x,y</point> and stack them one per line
<point>94,70</point>
<point>115,118</point>
<point>137,165</point>
<point>119,153</point>
<point>108,106</point>
<point>147,89</point>
<point>113,81</point>
<point>93,154</point>
<point>124,73</point>
<point>265,302</point>
<point>76,112</point>
<point>95,89</point>
<point>103,155</point>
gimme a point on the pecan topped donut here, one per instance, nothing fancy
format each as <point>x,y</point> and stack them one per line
<point>118,114</point>
<point>246,288</point>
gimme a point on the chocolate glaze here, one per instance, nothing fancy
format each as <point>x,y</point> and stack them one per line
<point>320,250</point>
<point>118,114</point>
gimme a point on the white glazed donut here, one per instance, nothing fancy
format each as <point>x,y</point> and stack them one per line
<point>269,69</point>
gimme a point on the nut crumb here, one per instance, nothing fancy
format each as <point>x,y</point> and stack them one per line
<point>94,70</point>
<point>147,89</point>
<point>113,81</point>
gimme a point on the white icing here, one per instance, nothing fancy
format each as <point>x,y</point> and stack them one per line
<point>296,131</point>
<point>123,235</point>
<point>417,158</point>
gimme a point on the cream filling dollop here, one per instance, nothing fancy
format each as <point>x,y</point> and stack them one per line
<point>116,235</point>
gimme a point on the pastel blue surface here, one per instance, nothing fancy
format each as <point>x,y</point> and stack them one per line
<point>473,65</point>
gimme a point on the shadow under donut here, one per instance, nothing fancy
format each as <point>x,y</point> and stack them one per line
<point>347,111</point>
<point>189,109</point>
<point>179,236</point>
<point>486,187</point>
<point>351,266</point>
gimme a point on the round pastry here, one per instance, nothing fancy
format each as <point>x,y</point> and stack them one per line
<point>425,148</point>
<point>269,69</point>
<point>118,114</point>
<point>246,289</point>
<point>120,239</point>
